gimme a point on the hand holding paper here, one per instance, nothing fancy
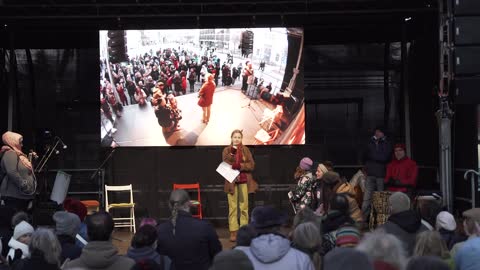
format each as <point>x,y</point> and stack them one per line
<point>225,170</point>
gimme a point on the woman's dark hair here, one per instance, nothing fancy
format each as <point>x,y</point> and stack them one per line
<point>145,236</point>
<point>329,165</point>
<point>339,202</point>
<point>331,181</point>
<point>427,262</point>
<point>245,235</point>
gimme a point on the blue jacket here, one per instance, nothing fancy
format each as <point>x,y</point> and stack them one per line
<point>467,256</point>
<point>271,251</point>
<point>378,154</point>
<point>193,246</point>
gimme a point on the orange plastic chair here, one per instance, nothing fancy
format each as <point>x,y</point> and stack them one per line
<point>92,206</point>
<point>195,203</point>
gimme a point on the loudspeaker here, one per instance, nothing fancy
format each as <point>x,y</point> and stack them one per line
<point>247,42</point>
<point>117,46</point>
<point>465,7</point>
<point>467,90</point>
<point>467,60</point>
<point>466,30</point>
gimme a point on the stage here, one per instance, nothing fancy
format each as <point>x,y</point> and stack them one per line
<point>139,127</point>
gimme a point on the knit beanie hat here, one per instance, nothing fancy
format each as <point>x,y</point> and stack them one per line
<point>306,164</point>
<point>66,223</point>
<point>400,145</point>
<point>446,221</point>
<point>322,168</point>
<point>347,236</point>
<point>21,229</point>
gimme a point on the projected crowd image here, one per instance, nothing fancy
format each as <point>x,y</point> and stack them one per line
<point>194,86</point>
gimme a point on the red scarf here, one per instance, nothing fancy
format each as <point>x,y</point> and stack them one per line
<point>242,178</point>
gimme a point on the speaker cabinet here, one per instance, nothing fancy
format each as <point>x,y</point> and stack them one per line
<point>467,90</point>
<point>467,60</point>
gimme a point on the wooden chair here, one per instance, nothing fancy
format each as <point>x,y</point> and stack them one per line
<point>194,203</point>
<point>123,221</point>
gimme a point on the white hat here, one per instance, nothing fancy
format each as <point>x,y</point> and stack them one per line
<point>21,229</point>
<point>446,221</point>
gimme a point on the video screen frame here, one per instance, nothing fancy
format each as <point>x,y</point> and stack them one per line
<point>156,86</point>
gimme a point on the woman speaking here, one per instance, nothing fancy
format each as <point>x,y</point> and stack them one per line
<point>240,157</point>
<point>18,183</point>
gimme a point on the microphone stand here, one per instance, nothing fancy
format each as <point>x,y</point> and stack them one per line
<point>43,161</point>
<point>103,164</point>
<point>42,192</point>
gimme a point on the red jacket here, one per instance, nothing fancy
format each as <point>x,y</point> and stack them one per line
<point>404,170</point>
<point>206,94</point>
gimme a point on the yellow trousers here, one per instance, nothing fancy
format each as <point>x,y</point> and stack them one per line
<point>238,201</point>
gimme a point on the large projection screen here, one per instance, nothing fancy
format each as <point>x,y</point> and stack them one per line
<point>151,82</point>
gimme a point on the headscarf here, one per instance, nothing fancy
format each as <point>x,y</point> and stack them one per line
<point>11,141</point>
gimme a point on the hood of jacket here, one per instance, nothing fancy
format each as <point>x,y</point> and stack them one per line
<point>142,253</point>
<point>346,188</point>
<point>99,254</point>
<point>407,220</point>
<point>269,248</point>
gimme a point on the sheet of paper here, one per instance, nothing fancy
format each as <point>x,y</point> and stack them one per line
<point>225,170</point>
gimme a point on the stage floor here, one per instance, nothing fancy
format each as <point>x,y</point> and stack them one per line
<point>122,237</point>
<point>139,127</point>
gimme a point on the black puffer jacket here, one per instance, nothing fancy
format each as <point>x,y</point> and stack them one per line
<point>405,226</point>
<point>378,154</point>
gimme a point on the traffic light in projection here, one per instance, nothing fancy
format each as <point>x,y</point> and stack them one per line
<point>117,46</point>
<point>247,42</point>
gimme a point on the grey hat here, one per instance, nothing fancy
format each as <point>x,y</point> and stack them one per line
<point>66,223</point>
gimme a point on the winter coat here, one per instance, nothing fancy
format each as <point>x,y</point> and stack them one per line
<point>206,94</point>
<point>148,253</point>
<point>14,244</point>
<point>194,244</point>
<point>467,256</point>
<point>405,226</point>
<point>379,153</point>
<point>303,194</point>
<point>349,191</point>
<point>69,249</point>
<point>16,175</point>
<point>35,262</point>
<point>247,167</point>
<point>404,170</point>
<point>184,83</point>
<point>271,251</point>
<point>98,255</point>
